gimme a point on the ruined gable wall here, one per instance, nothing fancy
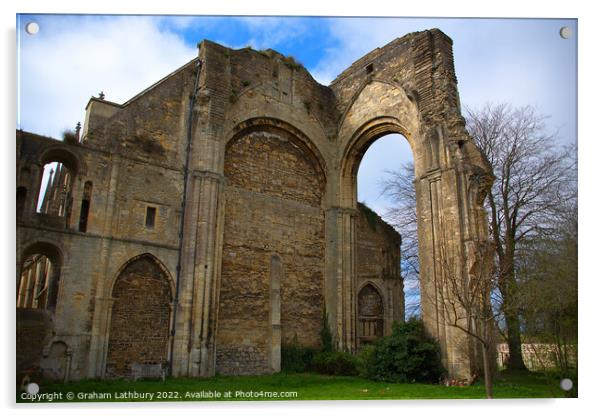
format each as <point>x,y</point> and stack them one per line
<point>257,77</point>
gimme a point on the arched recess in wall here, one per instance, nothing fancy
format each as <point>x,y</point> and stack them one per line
<point>55,190</point>
<point>274,188</point>
<point>293,134</point>
<point>39,277</point>
<point>370,307</point>
<point>140,316</point>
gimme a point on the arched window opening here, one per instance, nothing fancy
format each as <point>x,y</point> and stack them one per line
<point>85,207</point>
<point>39,277</point>
<point>35,283</point>
<point>54,198</point>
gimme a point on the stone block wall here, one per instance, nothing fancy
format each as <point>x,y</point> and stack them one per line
<point>273,207</point>
<point>139,331</point>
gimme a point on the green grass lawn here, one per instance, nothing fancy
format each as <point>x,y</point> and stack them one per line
<point>307,387</point>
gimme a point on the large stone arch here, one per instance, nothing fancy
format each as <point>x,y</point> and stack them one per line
<point>140,316</point>
<point>298,136</point>
<point>64,155</point>
<point>409,87</point>
<point>274,191</point>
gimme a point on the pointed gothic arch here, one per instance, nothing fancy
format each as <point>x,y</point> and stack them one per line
<point>139,328</point>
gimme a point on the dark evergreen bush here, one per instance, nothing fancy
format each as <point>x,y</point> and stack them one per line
<point>407,355</point>
<point>296,358</point>
<point>335,363</point>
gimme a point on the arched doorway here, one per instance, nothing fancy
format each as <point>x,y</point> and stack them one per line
<point>370,314</point>
<point>140,317</point>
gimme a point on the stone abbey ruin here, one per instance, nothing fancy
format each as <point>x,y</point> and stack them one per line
<point>213,218</point>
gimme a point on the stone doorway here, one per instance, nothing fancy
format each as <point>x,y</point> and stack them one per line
<point>370,315</point>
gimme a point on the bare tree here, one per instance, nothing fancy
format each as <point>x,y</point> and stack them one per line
<point>398,187</point>
<point>532,175</point>
<point>548,288</point>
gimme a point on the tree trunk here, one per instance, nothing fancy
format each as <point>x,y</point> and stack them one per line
<point>515,361</point>
<point>508,289</point>
<point>487,375</point>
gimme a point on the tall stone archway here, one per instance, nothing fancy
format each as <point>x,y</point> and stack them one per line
<point>140,317</point>
<point>409,87</point>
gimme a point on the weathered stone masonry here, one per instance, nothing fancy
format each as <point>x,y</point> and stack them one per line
<point>266,232</point>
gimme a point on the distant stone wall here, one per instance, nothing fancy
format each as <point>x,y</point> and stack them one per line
<point>380,296</point>
<point>273,197</point>
<point>378,246</point>
<point>538,356</point>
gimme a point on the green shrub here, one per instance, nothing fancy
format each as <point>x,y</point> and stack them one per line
<point>364,358</point>
<point>296,358</point>
<point>335,363</point>
<point>407,355</point>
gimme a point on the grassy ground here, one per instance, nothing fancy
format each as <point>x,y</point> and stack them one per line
<point>306,386</point>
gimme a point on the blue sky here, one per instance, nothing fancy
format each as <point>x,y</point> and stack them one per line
<point>520,61</point>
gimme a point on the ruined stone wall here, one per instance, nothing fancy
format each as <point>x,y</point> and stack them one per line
<point>271,185</point>
<point>150,127</point>
<point>260,76</point>
<point>127,174</point>
<point>273,196</point>
<point>378,244</point>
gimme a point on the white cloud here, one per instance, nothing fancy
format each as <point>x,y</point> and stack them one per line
<point>271,32</point>
<point>73,58</point>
